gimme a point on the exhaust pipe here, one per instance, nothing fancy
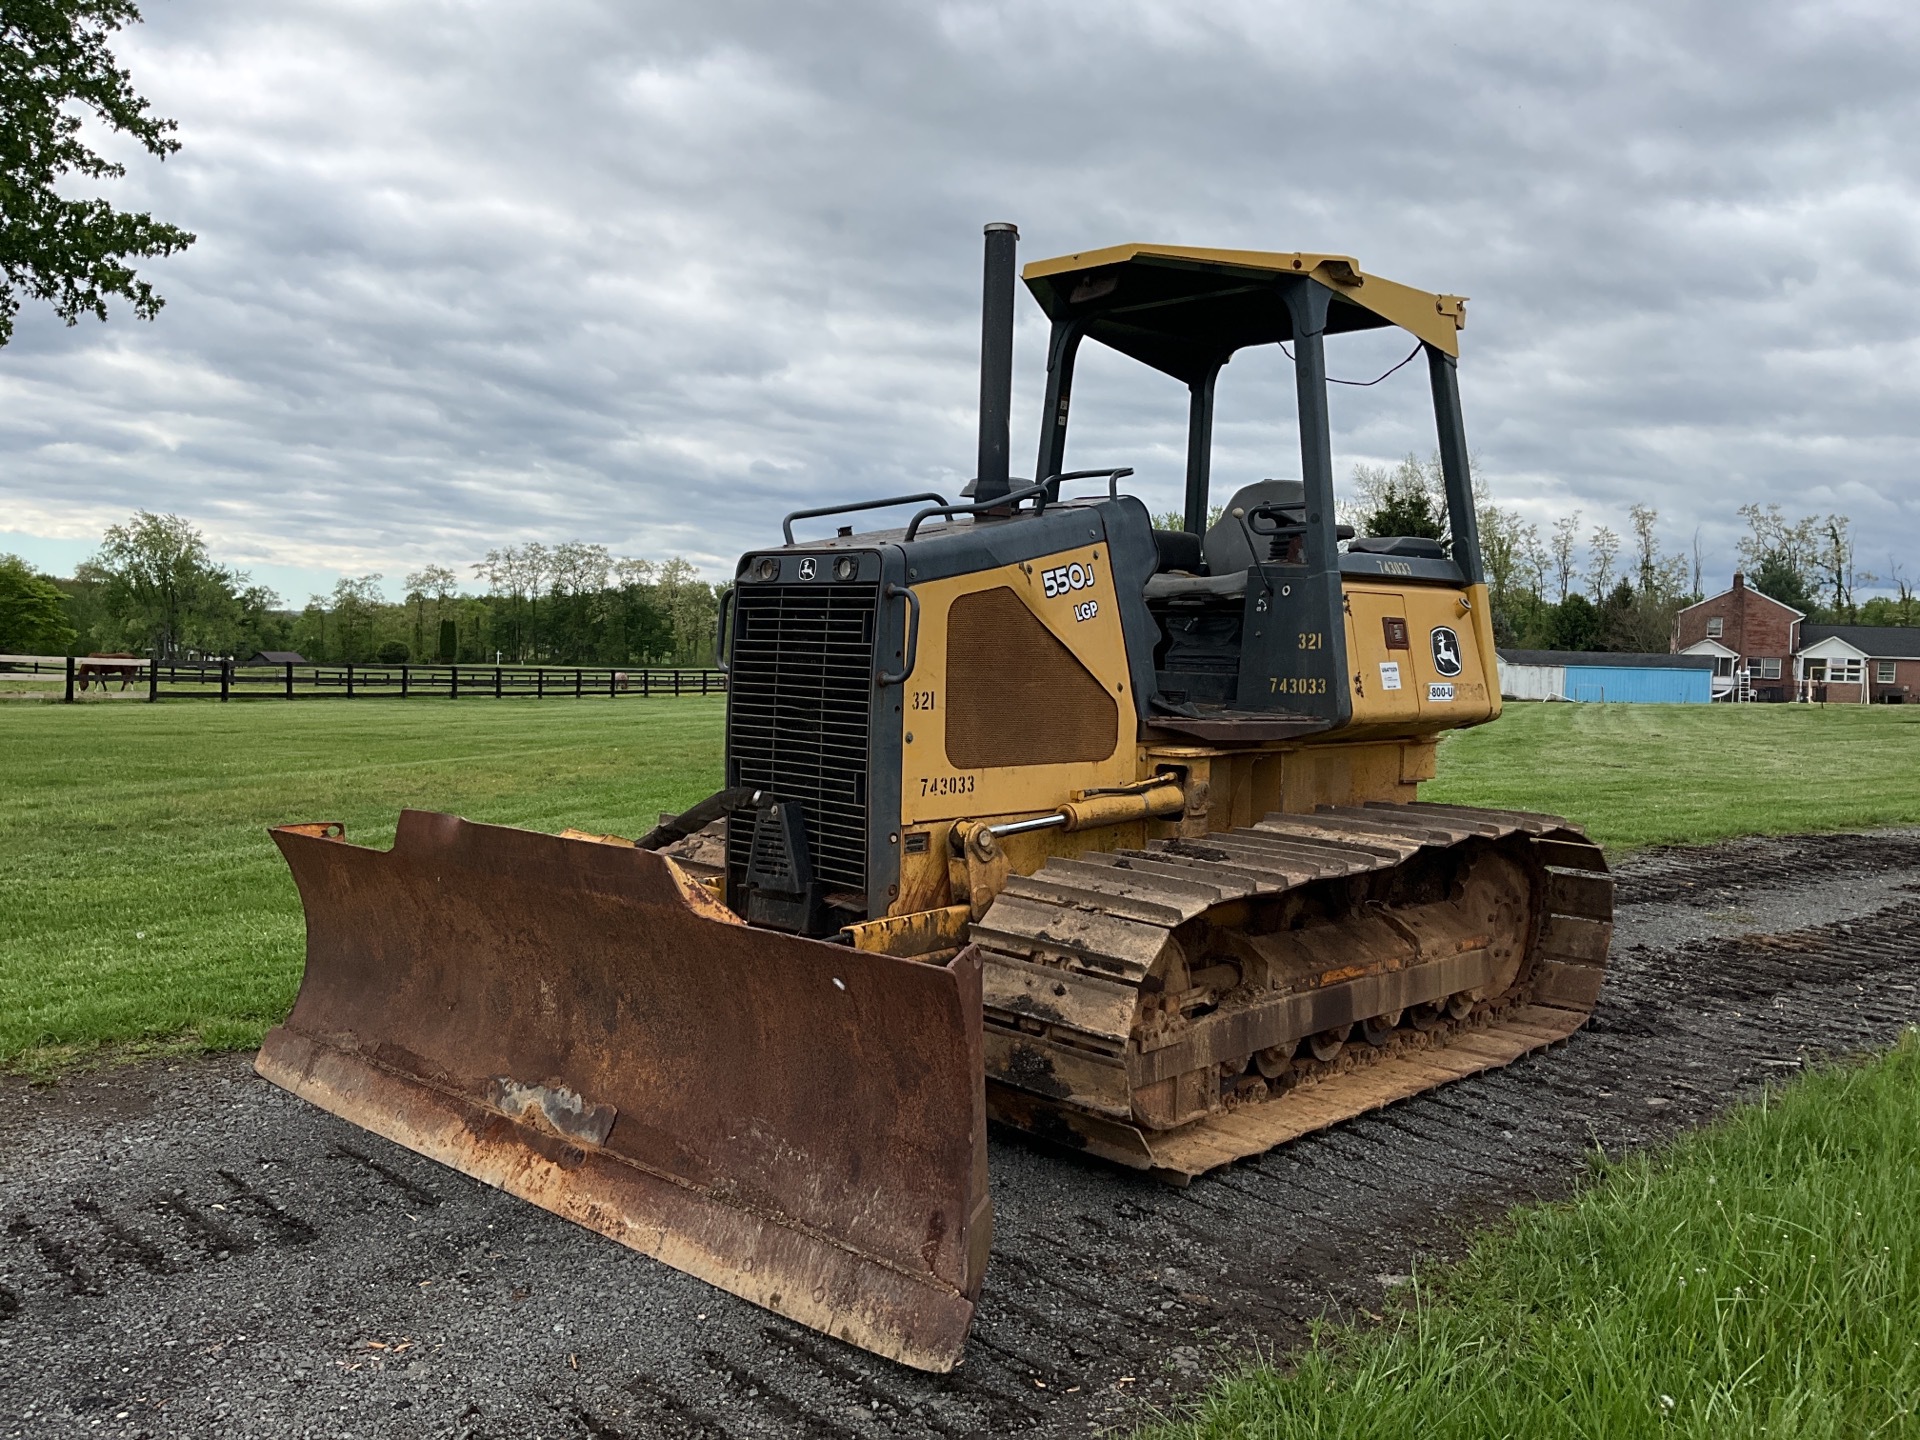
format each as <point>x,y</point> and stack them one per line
<point>996,362</point>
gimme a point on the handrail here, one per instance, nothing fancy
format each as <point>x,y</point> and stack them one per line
<point>1011,498</point>
<point>786,525</point>
<point>725,609</point>
<point>887,677</point>
<point>1114,478</point>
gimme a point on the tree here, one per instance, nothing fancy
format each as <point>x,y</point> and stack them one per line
<point>690,605</point>
<point>1781,556</point>
<point>435,582</point>
<point>1646,544</point>
<point>1575,624</point>
<point>1535,562</point>
<point>56,73</point>
<point>355,600</point>
<point>1602,548</point>
<point>1566,531</point>
<point>1406,500</point>
<point>160,586</point>
<point>1177,520</point>
<point>1900,608</point>
<point>33,611</point>
<point>1834,554</point>
<point>1780,579</point>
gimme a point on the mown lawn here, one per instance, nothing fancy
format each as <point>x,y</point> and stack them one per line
<point>140,899</point>
<point>1638,775</point>
<point>1761,1277</point>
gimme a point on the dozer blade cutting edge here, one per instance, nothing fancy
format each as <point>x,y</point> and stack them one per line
<point>583,1026</point>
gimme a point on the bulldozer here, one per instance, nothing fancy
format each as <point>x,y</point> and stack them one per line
<point>1034,814</point>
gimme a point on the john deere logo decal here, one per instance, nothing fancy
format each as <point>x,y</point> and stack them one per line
<point>806,573</point>
<point>1446,651</point>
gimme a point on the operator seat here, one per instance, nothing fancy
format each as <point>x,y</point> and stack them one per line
<point>1225,548</point>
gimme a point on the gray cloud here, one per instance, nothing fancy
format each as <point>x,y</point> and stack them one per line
<point>654,274</point>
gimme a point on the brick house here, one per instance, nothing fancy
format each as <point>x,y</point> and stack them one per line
<point>1743,630</point>
<point>1860,664</point>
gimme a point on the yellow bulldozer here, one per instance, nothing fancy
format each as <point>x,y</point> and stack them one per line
<point>1034,814</point>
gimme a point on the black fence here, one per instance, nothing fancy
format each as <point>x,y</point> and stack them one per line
<point>225,680</point>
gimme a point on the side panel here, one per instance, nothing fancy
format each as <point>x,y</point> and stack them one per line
<point>1446,673</point>
<point>946,771</point>
<point>1293,649</point>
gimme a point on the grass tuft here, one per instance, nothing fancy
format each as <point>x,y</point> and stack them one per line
<point>1759,1277</point>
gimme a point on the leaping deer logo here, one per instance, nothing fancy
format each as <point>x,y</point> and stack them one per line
<point>1446,651</point>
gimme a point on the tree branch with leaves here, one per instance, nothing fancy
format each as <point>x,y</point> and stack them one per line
<point>56,73</point>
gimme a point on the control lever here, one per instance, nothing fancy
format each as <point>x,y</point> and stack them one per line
<point>1253,547</point>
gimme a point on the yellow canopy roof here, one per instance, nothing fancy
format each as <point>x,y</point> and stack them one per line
<point>1183,309</point>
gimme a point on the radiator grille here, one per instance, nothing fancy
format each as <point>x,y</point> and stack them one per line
<point>800,688</point>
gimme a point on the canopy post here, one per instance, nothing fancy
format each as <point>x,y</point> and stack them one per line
<point>1200,448</point>
<point>1062,346</point>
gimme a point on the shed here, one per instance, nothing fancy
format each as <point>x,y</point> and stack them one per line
<point>1605,675</point>
<point>276,657</point>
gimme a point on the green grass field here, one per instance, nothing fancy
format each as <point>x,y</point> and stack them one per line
<point>141,901</point>
<point>1638,775</point>
<point>1761,1277</point>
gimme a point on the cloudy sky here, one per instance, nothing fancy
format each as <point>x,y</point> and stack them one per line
<point>651,275</point>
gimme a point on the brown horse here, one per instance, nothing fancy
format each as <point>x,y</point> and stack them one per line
<point>103,673</point>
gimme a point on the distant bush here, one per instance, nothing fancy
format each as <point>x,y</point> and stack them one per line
<point>392,652</point>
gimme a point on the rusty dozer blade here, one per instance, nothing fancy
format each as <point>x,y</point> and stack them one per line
<point>582,1025</point>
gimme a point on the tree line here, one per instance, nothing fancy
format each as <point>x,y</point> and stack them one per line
<point>1558,589</point>
<point>153,586</point>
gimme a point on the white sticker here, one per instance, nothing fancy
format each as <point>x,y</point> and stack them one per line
<point>1389,674</point>
<point>1439,692</point>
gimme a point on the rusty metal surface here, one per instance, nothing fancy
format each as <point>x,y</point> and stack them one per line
<point>579,1024</point>
<point>921,933</point>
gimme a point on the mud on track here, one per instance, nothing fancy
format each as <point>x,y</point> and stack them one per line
<point>188,1251</point>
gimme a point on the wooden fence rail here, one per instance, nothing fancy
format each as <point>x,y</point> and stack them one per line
<point>225,680</point>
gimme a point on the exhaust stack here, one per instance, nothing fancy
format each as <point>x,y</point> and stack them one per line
<point>996,362</point>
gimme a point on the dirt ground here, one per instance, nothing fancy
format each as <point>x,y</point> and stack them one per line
<point>186,1251</point>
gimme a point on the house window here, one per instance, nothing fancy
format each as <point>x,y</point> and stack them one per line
<point>1716,627</point>
<point>1769,669</point>
<point>1844,672</point>
<point>1723,665</point>
<point>1816,670</point>
<point>1884,672</point>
